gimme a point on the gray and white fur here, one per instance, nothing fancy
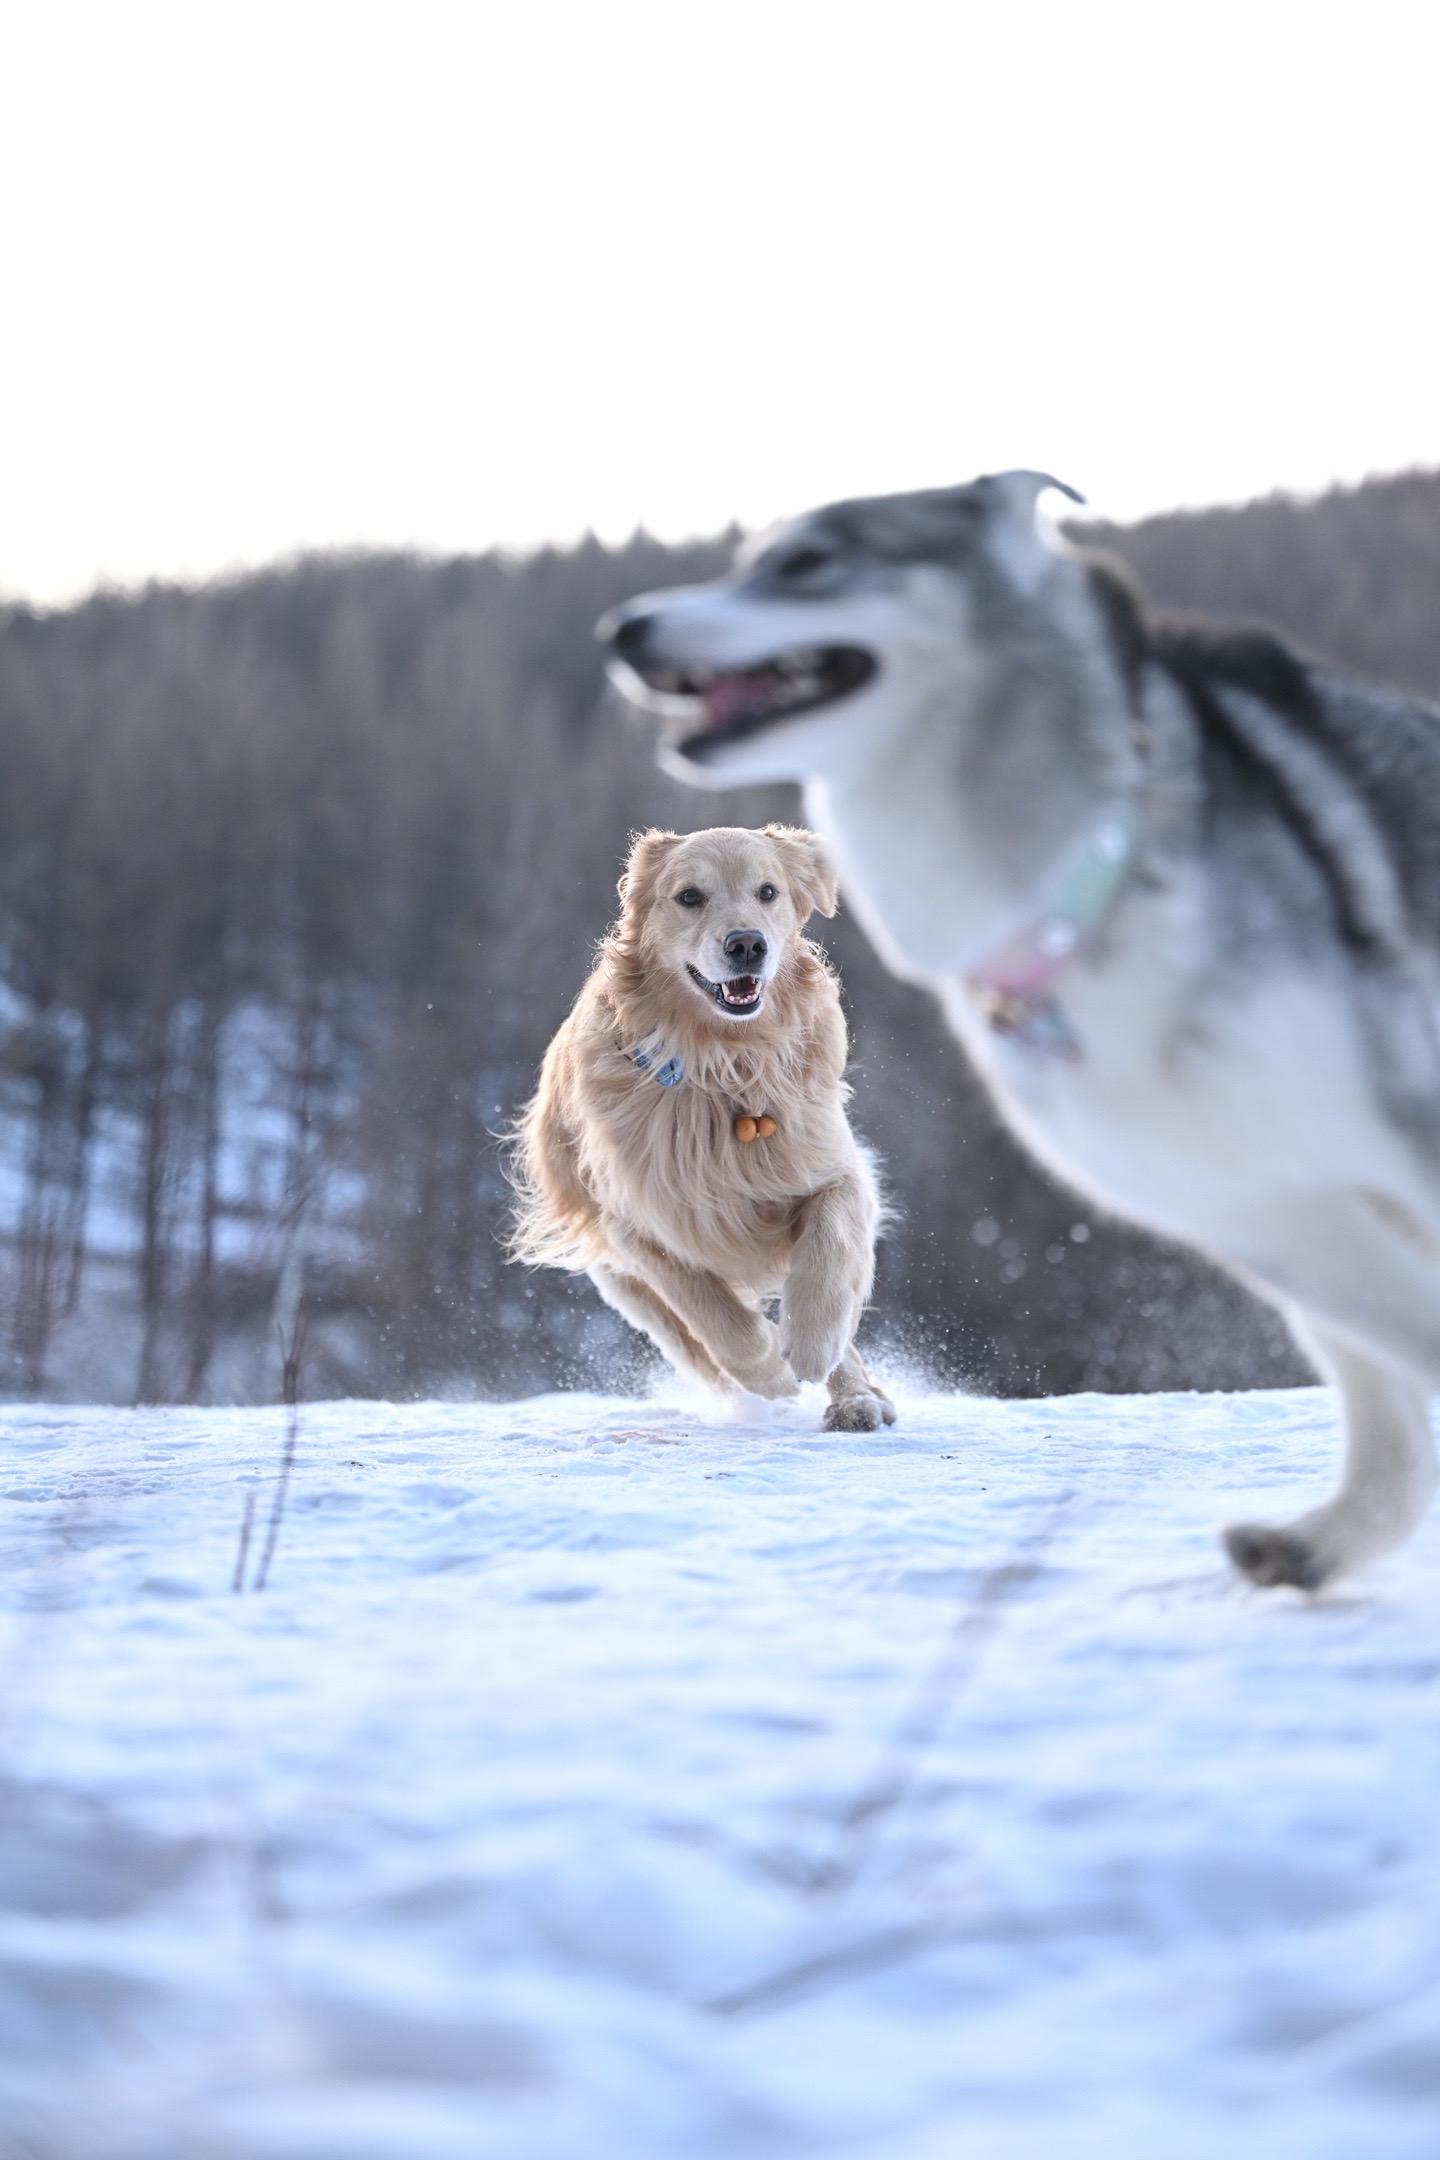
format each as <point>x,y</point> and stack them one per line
<point>1255,1024</point>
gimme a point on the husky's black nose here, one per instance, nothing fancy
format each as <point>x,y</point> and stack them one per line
<point>625,631</point>
<point>745,949</point>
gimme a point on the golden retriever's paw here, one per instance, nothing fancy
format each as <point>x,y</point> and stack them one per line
<point>865,1412</point>
<point>769,1376</point>
<point>1270,1557</point>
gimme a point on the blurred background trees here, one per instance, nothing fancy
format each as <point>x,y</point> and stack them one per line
<point>298,874</point>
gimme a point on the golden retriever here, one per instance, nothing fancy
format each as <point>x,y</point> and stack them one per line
<point>688,1146</point>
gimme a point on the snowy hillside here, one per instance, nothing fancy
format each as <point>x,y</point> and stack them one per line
<point>595,1782</point>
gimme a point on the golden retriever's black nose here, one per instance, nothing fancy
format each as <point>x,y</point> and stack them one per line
<point>624,630</point>
<point>745,949</point>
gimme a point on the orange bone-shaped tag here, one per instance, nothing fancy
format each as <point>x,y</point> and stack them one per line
<point>754,1128</point>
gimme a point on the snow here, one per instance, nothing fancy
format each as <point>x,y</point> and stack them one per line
<point>600,1778</point>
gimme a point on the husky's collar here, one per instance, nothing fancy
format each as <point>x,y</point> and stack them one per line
<point>652,1057</point>
<point>1016,986</point>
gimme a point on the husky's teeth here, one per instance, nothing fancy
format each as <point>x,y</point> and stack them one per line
<point>785,680</point>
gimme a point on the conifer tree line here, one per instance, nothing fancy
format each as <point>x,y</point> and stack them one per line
<point>299,871</point>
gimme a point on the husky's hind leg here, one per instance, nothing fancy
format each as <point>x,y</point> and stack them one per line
<point>1387,1483</point>
<point>1359,1278</point>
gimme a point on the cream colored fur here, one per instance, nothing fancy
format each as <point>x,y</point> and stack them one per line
<point>681,1227</point>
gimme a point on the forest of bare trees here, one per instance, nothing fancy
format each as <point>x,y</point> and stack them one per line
<point>298,873</point>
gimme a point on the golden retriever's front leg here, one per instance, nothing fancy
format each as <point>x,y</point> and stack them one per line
<point>856,1403</point>
<point>829,1279</point>
<point>739,1338</point>
<point>645,1309</point>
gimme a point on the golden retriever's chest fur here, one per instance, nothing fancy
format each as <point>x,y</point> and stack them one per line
<point>665,1164</point>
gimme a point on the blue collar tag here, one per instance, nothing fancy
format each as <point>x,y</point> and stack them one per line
<point>666,1074</point>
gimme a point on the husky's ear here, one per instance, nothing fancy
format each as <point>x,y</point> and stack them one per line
<point>1021,541</point>
<point>812,878</point>
<point>649,852</point>
<point>1021,491</point>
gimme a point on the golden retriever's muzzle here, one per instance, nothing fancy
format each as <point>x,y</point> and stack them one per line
<point>740,995</point>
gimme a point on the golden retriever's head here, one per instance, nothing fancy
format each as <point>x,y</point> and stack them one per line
<point>716,915</point>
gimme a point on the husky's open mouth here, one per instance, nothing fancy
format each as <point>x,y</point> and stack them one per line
<point>742,995</point>
<point>729,704</point>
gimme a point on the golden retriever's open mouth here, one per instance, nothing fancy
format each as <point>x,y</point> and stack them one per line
<point>742,995</point>
<point>729,704</point>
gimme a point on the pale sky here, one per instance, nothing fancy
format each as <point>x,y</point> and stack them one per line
<point>313,275</point>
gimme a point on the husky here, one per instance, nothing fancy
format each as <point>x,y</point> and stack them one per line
<point>1177,889</point>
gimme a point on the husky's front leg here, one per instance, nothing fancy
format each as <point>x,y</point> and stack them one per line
<point>831,1270</point>
<point>1387,1483</point>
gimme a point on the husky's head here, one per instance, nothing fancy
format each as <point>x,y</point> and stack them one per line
<point>831,628</point>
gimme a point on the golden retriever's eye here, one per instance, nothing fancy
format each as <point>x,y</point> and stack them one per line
<point>691,897</point>
<point>767,893</point>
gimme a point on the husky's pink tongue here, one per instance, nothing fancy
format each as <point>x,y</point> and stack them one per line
<point>728,698</point>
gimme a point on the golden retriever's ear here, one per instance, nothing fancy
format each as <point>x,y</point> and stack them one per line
<point>812,876</point>
<point>644,864</point>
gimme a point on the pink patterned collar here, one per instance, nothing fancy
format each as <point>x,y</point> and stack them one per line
<point>1016,986</point>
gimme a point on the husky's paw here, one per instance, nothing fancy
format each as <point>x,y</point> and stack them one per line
<point>1270,1557</point>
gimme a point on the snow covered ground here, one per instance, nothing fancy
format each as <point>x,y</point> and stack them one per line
<point>596,1780</point>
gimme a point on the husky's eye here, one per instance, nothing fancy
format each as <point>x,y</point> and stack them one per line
<point>691,897</point>
<point>800,562</point>
<point>767,893</point>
